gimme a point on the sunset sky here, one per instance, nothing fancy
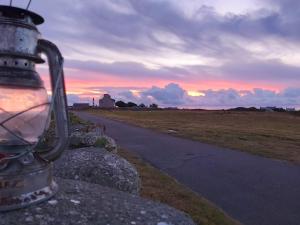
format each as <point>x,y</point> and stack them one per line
<point>195,53</point>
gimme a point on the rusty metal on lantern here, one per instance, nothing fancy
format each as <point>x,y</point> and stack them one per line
<point>25,110</point>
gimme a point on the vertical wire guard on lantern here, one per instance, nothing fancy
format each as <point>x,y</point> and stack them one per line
<point>10,3</point>
<point>32,147</point>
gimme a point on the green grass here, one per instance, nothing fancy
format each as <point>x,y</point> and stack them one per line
<point>101,143</point>
<point>268,134</point>
<point>160,187</point>
<point>75,120</point>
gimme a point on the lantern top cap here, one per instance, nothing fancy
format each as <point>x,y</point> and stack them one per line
<point>20,13</point>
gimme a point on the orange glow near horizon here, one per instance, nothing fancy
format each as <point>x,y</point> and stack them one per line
<point>91,84</point>
<point>78,86</point>
<point>195,93</point>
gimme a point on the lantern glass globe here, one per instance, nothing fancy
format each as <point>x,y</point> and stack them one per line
<point>23,116</point>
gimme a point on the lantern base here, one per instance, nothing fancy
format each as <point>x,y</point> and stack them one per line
<point>24,185</point>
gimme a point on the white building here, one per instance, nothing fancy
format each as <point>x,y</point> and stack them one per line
<point>107,102</point>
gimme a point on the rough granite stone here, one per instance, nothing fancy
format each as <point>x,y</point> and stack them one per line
<point>79,139</point>
<point>76,139</point>
<point>90,138</point>
<point>81,203</point>
<point>98,166</point>
<point>77,127</point>
<point>110,144</point>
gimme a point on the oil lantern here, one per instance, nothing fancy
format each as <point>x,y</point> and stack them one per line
<point>26,110</point>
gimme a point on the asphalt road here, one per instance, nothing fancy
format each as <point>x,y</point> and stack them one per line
<point>251,189</point>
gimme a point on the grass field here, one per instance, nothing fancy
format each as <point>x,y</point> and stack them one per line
<point>269,134</point>
<point>160,187</point>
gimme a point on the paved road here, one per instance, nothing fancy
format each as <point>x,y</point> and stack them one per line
<point>254,190</point>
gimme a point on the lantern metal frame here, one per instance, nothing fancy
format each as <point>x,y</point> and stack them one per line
<point>26,174</point>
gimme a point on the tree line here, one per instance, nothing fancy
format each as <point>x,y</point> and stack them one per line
<point>122,104</point>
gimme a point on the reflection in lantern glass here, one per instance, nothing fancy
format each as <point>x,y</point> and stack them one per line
<point>23,116</point>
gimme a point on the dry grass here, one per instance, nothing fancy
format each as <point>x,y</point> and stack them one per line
<point>160,187</point>
<point>269,134</point>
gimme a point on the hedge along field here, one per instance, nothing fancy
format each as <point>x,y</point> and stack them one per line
<point>269,134</point>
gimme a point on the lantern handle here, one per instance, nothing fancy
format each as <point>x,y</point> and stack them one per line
<point>59,99</point>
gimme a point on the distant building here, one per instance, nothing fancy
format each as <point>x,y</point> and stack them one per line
<point>290,109</point>
<point>107,102</point>
<point>81,106</point>
<point>268,109</point>
<point>272,109</point>
<point>171,108</point>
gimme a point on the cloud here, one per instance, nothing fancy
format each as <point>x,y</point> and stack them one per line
<point>158,40</point>
<point>128,69</point>
<point>291,93</point>
<point>268,70</point>
<point>132,25</point>
<point>173,95</point>
<point>72,98</point>
<point>257,97</point>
